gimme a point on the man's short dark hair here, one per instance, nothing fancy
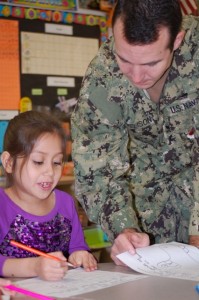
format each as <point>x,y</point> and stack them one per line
<point>143,19</point>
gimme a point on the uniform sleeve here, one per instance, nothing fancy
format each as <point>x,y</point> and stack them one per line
<point>194,220</point>
<point>100,151</point>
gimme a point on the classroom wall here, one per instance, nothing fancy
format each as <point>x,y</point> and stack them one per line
<point>43,57</point>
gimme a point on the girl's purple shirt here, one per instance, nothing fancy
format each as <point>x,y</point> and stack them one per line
<point>60,230</point>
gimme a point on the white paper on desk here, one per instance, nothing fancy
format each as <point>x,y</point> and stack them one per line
<point>173,260</point>
<point>77,282</point>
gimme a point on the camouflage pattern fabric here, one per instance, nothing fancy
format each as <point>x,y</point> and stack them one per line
<point>136,161</point>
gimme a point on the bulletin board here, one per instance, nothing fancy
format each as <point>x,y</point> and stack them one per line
<point>44,55</point>
<point>54,58</point>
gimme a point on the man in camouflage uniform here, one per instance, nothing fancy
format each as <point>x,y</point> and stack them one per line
<point>135,128</point>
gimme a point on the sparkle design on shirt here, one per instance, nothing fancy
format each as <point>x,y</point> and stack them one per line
<point>50,236</point>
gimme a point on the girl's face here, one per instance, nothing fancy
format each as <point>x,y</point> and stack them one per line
<point>38,176</point>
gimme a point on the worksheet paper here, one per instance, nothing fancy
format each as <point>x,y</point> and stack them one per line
<point>173,260</point>
<point>77,281</point>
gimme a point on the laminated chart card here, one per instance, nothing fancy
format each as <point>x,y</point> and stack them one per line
<point>56,55</point>
<point>9,65</point>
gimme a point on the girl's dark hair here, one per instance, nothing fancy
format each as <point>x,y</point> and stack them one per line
<point>142,19</point>
<point>24,130</point>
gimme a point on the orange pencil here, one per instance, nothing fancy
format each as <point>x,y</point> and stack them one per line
<point>35,251</point>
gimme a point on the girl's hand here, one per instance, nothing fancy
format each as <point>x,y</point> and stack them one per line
<point>83,258</point>
<point>50,269</point>
<point>4,282</point>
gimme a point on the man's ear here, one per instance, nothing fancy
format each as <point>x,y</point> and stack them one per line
<point>7,161</point>
<point>179,39</point>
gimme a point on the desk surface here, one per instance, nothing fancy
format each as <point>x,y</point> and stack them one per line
<point>150,288</point>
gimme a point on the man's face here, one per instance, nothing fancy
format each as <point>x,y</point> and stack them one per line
<point>143,65</point>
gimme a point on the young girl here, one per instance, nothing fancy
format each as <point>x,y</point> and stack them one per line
<point>33,212</point>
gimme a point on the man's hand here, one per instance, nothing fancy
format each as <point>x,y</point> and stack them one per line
<point>194,240</point>
<point>128,240</point>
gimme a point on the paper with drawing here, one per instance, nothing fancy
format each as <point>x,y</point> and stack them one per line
<point>77,282</point>
<point>173,260</point>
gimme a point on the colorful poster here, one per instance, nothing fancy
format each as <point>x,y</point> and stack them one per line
<point>9,65</point>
